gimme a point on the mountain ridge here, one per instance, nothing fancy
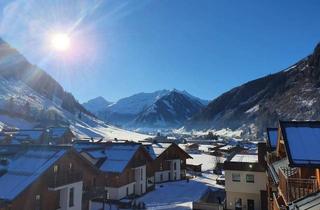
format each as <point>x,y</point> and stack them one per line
<point>291,94</point>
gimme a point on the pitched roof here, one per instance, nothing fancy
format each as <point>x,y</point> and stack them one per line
<point>25,167</point>
<point>272,137</point>
<point>302,142</point>
<point>156,149</point>
<point>115,156</point>
<point>58,132</point>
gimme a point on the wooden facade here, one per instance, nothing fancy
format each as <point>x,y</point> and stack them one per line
<point>288,182</point>
<point>41,193</point>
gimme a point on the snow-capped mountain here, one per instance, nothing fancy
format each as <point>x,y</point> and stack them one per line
<point>97,104</point>
<point>137,110</point>
<point>170,111</point>
<point>29,97</point>
<point>291,94</point>
<point>126,109</point>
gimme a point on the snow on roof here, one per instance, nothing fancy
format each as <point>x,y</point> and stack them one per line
<point>302,140</point>
<point>34,135</point>
<point>245,158</point>
<point>156,149</point>
<point>25,167</point>
<point>272,134</point>
<point>118,157</point>
<point>227,147</point>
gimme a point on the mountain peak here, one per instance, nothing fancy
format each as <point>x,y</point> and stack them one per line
<point>315,57</point>
<point>96,104</point>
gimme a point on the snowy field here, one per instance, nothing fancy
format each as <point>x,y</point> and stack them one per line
<point>179,194</point>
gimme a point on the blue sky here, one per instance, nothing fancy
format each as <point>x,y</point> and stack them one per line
<point>119,48</point>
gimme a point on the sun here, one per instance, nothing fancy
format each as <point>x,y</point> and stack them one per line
<point>60,41</point>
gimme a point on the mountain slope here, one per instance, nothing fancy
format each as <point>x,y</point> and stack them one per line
<point>97,104</point>
<point>292,94</point>
<point>30,97</point>
<point>170,111</point>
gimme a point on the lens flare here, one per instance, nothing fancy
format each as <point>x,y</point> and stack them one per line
<point>60,41</point>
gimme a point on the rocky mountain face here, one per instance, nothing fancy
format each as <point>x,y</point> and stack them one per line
<point>163,108</point>
<point>170,111</point>
<point>292,94</point>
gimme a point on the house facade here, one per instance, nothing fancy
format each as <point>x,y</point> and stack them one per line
<point>169,162</point>
<point>123,167</point>
<point>43,177</point>
<point>245,183</point>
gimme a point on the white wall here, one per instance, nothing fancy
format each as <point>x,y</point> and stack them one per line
<point>140,175</point>
<point>120,192</point>
<point>260,181</point>
<point>244,190</point>
<point>175,174</point>
<point>64,196</point>
<point>165,176</point>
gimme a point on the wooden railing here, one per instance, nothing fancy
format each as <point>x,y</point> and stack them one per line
<point>63,178</point>
<point>93,192</point>
<point>293,188</point>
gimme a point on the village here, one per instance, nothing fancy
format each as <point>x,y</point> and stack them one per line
<point>51,169</point>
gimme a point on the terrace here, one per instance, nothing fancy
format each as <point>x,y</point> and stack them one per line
<point>293,187</point>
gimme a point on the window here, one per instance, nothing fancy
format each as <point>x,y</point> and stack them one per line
<point>141,171</point>
<point>236,177</point>
<point>250,178</point>
<point>94,181</point>
<point>161,177</point>
<point>161,166</point>
<point>38,202</point>
<point>71,197</point>
<point>127,191</point>
<point>70,166</point>
<point>174,166</point>
<point>55,168</point>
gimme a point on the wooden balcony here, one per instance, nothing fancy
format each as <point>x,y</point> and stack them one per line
<point>63,178</point>
<point>293,187</point>
<point>93,192</point>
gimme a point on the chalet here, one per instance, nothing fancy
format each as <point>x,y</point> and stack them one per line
<point>293,169</point>
<point>192,148</point>
<point>123,167</point>
<point>43,177</point>
<point>59,135</point>
<point>245,182</point>
<point>169,162</point>
<point>29,136</point>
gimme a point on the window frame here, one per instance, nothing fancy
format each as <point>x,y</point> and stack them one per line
<point>249,181</point>
<point>234,175</point>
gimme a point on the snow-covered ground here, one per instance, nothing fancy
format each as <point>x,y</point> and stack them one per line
<point>225,132</point>
<point>208,161</point>
<point>15,95</point>
<point>179,194</point>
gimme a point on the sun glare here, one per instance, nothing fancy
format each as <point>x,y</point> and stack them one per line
<point>60,41</point>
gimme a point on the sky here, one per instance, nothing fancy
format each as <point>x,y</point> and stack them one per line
<point>119,47</point>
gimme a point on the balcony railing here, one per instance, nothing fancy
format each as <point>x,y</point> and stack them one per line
<point>293,188</point>
<point>63,178</point>
<point>93,192</point>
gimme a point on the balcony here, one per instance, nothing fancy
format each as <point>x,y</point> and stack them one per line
<point>292,187</point>
<point>61,179</point>
<point>93,192</point>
